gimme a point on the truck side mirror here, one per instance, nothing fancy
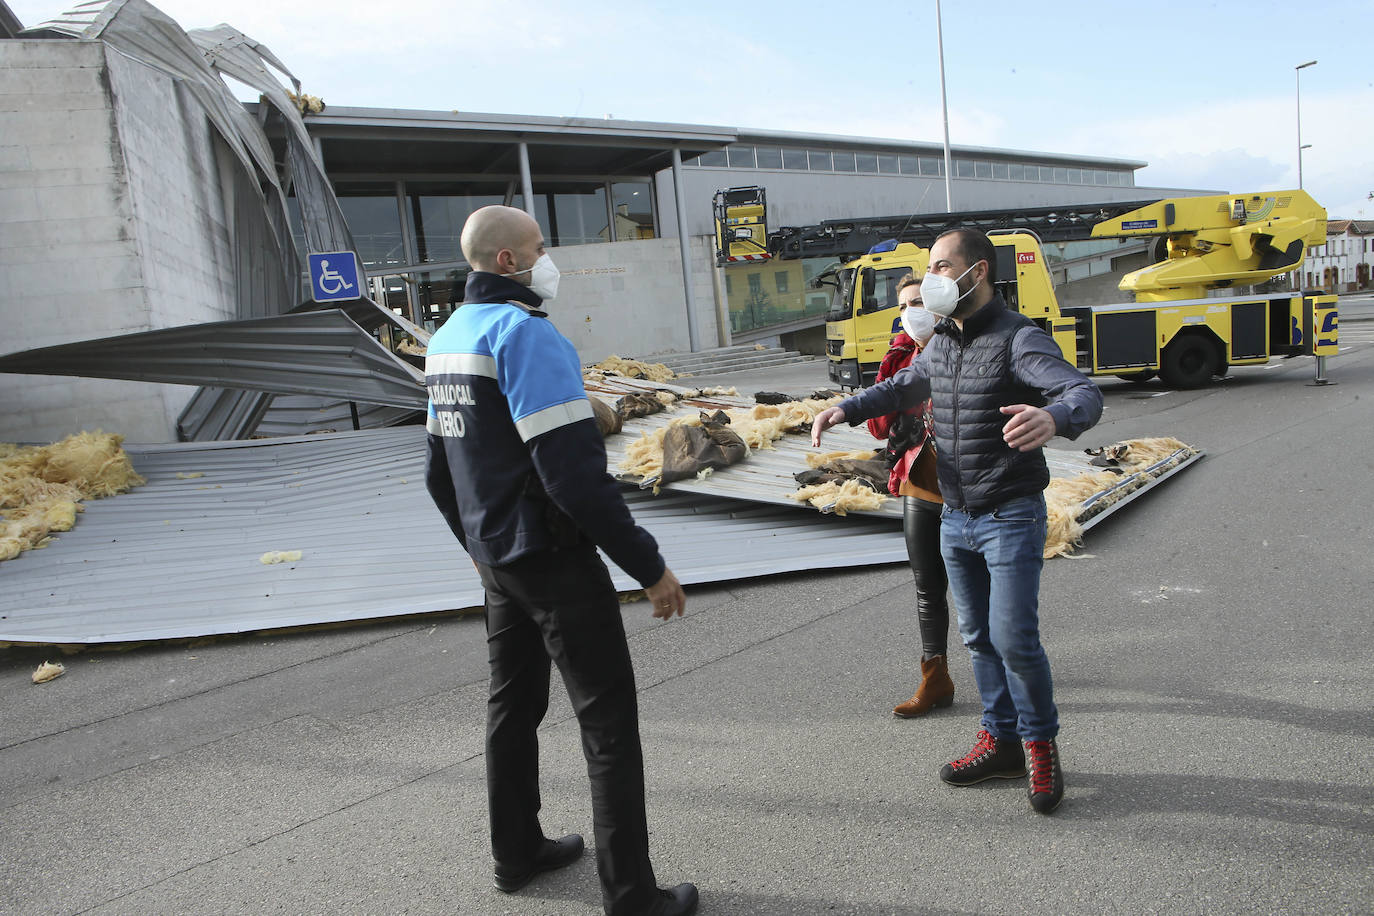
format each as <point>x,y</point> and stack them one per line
<point>868,300</point>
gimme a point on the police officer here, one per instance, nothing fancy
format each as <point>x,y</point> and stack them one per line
<point>517,466</point>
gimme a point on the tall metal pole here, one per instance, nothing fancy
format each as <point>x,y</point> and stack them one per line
<point>944,105</point>
<point>1297,77</point>
<point>685,243</point>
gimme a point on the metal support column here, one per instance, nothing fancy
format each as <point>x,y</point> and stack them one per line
<point>526,186</point>
<point>680,199</point>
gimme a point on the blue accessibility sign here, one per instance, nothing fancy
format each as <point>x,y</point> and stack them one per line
<point>334,276</point>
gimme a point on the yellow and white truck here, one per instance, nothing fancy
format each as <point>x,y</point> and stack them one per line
<point>1173,328</point>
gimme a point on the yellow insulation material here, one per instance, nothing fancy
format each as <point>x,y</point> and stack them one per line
<point>1065,495</point>
<point>815,461</point>
<point>41,486</point>
<point>630,368</point>
<point>840,498</point>
<point>759,426</point>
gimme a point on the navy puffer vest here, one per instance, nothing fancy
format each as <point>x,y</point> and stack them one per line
<point>970,380</point>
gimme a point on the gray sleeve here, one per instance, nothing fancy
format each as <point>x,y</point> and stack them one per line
<point>1075,401</point>
<point>908,388</point>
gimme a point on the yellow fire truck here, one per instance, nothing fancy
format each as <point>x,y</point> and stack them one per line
<point>1172,328</point>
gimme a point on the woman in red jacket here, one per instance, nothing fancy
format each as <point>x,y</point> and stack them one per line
<point>910,440</point>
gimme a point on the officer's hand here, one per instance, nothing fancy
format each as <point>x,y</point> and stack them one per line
<point>667,595</point>
<point>824,420</point>
<point>1029,427</point>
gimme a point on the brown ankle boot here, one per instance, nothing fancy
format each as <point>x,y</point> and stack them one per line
<point>936,689</point>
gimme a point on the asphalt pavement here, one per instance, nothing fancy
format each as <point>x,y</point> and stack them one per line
<point>1214,670</point>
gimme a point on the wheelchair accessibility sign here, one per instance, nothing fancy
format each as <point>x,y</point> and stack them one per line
<point>334,276</point>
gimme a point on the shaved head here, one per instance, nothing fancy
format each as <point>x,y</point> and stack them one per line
<point>491,231</point>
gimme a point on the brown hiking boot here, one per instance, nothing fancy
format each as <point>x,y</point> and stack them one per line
<point>936,689</point>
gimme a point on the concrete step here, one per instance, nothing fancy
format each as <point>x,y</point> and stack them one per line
<point>727,359</point>
<point>745,366</point>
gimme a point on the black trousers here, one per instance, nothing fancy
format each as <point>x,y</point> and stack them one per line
<point>921,525</point>
<point>560,605</point>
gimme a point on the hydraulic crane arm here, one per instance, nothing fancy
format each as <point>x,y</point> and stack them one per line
<point>1217,241</point>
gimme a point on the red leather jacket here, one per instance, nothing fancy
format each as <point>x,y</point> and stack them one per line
<point>903,351</point>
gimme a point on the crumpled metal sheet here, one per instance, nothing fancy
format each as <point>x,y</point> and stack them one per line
<point>310,353</point>
<point>180,556</point>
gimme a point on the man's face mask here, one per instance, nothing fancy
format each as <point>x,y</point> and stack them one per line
<point>941,293</point>
<point>543,277</point>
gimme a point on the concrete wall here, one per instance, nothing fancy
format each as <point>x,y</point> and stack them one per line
<point>110,223</point>
<point>625,298</point>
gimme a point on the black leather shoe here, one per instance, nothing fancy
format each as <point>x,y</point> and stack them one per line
<point>677,901</point>
<point>553,854</point>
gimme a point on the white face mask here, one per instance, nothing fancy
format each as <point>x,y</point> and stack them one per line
<point>918,322</point>
<point>941,294</point>
<point>543,277</point>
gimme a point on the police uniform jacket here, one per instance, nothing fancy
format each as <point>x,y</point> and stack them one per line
<point>516,462</point>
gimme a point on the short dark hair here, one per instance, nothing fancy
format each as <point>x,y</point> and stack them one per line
<point>973,246</point>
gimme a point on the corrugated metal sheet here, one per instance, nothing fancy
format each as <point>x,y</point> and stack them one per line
<point>179,557</point>
<point>767,474</point>
<point>309,353</point>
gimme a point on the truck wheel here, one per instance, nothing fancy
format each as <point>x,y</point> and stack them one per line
<point>1189,361</point>
<point>1140,377</point>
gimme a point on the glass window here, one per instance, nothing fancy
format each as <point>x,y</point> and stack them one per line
<point>577,215</point>
<point>1017,172</point>
<point>963,168</point>
<point>794,159</point>
<point>982,169</point>
<point>1113,178</point>
<point>741,157</point>
<point>780,281</point>
<point>844,162</point>
<point>715,157</point>
<point>437,210</point>
<point>866,163</point>
<point>769,157</point>
<point>374,219</point>
<point>819,160</point>
<point>1061,175</point>
<point>1075,176</point>
<point>999,170</point>
<point>439,292</point>
<point>634,210</point>
<point>887,165</point>
<point>932,166</point>
<point>909,165</point>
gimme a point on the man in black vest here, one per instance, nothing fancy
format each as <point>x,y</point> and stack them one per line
<point>1001,390</point>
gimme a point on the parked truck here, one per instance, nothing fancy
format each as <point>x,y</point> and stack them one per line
<point>1173,328</point>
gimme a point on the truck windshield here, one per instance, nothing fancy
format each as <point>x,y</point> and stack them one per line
<point>842,302</point>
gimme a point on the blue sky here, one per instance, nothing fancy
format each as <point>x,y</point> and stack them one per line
<point>1205,93</point>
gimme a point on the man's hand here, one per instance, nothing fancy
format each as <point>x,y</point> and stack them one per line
<point>667,595</point>
<point>824,420</point>
<point>1029,427</point>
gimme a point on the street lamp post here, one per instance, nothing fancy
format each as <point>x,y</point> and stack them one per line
<point>1297,76</point>
<point>944,105</point>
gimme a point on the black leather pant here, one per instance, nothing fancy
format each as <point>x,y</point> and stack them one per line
<point>921,525</point>
<point>561,605</point>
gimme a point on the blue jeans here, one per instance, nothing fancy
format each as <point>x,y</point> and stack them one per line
<point>994,560</point>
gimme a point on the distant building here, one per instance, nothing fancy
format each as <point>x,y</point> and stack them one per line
<point>1343,263</point>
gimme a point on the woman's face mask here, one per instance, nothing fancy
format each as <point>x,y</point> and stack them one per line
<point>543,277</point>
<point>918,322</point>
<point>941,293</point>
